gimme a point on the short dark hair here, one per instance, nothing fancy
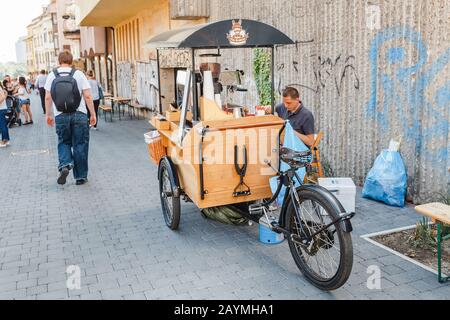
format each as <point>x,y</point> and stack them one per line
<point>43,72</point>
<point>22,81</point>
<point>65,57</point>
<point>291,92</point>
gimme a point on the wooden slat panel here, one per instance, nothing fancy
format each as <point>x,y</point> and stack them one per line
<point>437,211</point>
<point>147,91</point>
<point>124,79</point>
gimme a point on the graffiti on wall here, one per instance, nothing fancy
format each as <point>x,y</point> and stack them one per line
<point>147,92</point>
<point>124,76</point>
<point>403,89</point>
<point>328,72</point>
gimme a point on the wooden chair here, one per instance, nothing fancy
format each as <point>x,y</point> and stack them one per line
<point>138,108</point>
<point>106,109</point>
<point>316,165</point>
<point>439,214</point>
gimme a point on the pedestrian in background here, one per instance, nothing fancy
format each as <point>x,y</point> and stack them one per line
<point>9,86</point>
<point>3,126</point>
<point>69,93</point>
<point>39,85</point>
<point>31,82</point>
<point>11,90</point>
<point>23,93</point>
<point>95,90</point>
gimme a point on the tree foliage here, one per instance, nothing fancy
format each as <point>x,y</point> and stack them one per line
<point>261,71</point>
<point>13,69</point>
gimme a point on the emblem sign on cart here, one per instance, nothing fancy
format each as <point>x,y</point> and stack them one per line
<point>237,36</point>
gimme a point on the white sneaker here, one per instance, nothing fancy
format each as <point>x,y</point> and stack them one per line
<point>8,143</point>
<point>3,145</point>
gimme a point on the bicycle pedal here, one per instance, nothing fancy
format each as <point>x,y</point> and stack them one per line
<point>255,209</point>
<point>273,209</point>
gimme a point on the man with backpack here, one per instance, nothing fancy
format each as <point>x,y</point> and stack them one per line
<point>69,93</point>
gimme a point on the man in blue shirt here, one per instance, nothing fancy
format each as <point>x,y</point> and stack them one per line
<point>300,118</point>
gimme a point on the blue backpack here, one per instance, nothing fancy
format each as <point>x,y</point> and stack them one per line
<point>101,95</point>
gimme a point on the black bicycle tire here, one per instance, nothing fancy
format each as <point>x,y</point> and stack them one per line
<point>176,202</point>
<point>345,240</point>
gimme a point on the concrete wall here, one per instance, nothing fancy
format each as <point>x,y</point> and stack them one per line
<point>154,21</point>
<point>85,6</point>
<point>370,71</point>
<point>93,40</point>
<point>189,9</point>
<point>143,26</point>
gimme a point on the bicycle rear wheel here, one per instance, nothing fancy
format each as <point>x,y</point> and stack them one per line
<point>170,202</point>
<point>327,261</point>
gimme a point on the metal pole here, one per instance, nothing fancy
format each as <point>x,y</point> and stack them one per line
<point>273,80</point>
<point>99,69</point>
<point>439,252</point>
<point>114,68</point>
<point>106,59</point>
<point>195,107</point>
<point>159,81</point>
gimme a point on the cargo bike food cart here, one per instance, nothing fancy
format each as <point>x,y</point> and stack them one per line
<point>215,154</point>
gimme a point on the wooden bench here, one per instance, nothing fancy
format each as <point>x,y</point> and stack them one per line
<point>138,107</point>
<point>439,214</point>
<point>106,109</point>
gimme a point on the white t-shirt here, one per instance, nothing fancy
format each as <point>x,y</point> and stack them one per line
<point>40,81</point>
<point>23,94</point>
<point>94,89</point>
<point>82,82</point>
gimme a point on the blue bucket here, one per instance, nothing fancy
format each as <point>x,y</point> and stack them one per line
<point>268,236</point>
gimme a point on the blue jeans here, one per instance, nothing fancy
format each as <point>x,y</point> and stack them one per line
<point>22,102</point>
<point>3,127</point>
<point>73,143</point>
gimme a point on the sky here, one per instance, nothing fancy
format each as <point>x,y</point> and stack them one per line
<point>15,16</point>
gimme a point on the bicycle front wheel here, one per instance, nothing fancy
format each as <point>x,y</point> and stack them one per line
<point>328,260</point>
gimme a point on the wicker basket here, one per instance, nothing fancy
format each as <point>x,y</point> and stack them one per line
<point>156,149</point>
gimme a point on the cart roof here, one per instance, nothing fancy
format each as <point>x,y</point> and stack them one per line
<point>238,33</point>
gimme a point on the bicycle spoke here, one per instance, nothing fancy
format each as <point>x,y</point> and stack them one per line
<point>167,189</point>
<point>324,249</point>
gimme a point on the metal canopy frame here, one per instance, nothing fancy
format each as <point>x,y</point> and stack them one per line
<point>219,35</point>
<point>242,32</point>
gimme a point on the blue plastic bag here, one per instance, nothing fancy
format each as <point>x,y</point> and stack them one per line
<point>387,180</point>
<point>291,141</point>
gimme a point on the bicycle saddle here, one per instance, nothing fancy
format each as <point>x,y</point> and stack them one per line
<point>295,158</point>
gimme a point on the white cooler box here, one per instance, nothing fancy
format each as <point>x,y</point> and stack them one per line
<point>344,189</point>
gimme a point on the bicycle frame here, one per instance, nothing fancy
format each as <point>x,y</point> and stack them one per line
<point>287,180</point>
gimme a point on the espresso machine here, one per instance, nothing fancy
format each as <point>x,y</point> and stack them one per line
<point>227,80</point>
<point>210,71</point>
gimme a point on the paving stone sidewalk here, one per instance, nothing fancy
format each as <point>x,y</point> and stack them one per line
<point>113,230</point>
